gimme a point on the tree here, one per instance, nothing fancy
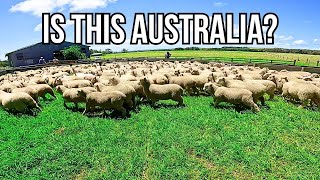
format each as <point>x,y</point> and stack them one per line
<point>124,50</point>
<point>73,53</point>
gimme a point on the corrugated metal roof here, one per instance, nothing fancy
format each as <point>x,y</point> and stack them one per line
<point>37,44</point>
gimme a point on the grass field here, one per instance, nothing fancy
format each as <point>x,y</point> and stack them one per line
<point>304,59</point>
<point>197,141</point>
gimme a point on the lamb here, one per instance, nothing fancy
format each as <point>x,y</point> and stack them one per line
<point>43,90</point>
<point>258,90</point>
<point>234,96</point>
<point>75,96</point>
<point>156,92</point>
<point>19,102</point>
<point>105,100</point>
<point>303,92</point>
<point>271,86</point>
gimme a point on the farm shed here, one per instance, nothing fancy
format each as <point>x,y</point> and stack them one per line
<point>30,55</point>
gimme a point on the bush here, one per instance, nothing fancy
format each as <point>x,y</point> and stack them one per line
<point>73,53</point>
<point>4,63</point>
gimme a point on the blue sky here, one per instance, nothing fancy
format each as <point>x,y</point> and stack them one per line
<point>299,22</point>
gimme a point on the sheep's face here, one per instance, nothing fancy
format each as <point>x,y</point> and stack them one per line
<point>222,82</point>
<point>81,93</point>
<point>208,87</point>
<point>144,82</point>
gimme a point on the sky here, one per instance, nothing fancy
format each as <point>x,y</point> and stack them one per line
<point>299,22</point>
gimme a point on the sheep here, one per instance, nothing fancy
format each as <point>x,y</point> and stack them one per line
<point>303,92</point>
<point>19,102</point>
<point>29,90</point>
<point>258,90</point>
<point>156,92</point>
<point>124,88</point>
<point>43,90</point>
<point>271,86</point>
<point>135,84</point>
<point>8,87</point>
<point>73,95</point>
<point>234,96</point>
<point>185,82</point>
<point>105,100</point>
<point>77,83</point>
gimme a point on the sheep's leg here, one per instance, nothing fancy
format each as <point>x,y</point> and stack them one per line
<point>122,110</point>
<point>252,105</point>
<point>304,104</point>
<point>178,99</point>
<point>195,90</point>
<point>52,94</point>
<point>262,100</point>
<point>86,109</point>
<point>271,95</point>
<point>189,91</point>
<point>65,104</point>
<point>216,102</point>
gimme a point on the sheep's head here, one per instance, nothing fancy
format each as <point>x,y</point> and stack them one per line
<point>144,82</point>
<point>177,72</point>
<point>239,77</point>
<point>94,80</point>
<point>210,87</point>
<point>272,78</point>
<point>81,93</point>
<point>195,72</point>
<point>222,82</point>
<point>211,78</point>
<point>114,81</point>
<point>58,81</point>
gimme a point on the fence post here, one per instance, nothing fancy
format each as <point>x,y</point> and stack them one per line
<point>249,60</point>
<point>271,61</point>
<point>318,63</point>
<point>231,59</point>
<point>294,62</point>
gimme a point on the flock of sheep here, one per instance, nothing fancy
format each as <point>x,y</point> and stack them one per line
<point>120,86</point>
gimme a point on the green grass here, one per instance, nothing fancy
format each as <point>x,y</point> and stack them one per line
<point>197,141</point>
<point>224,54</point>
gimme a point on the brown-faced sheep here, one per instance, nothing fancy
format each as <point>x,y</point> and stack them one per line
<point>156,92</point>
<point>105,100</point>
<point>234,96</point>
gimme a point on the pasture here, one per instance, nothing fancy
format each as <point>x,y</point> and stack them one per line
<point>197,141</point>
<point>302,59</point>
<point>165,141</point>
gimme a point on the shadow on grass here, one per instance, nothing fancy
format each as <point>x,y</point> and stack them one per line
<point>28,112</point>
<point>160,105</point>
<point>100,113</point>
<point>238,108</point>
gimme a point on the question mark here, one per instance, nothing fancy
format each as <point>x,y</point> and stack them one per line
<point>272,21</point>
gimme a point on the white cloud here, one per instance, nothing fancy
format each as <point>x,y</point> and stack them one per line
<point>37,7</point>
<point>219,4</point>
<point>68,23</point>
<point>316,41</point>
<point>299,42</point>
<point>284,38</point>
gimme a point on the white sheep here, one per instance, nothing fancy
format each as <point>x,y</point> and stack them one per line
<point>234,96</point>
